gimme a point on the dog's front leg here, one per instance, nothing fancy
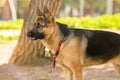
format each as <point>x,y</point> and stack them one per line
<point>77,73</point>
<point>67,72</point>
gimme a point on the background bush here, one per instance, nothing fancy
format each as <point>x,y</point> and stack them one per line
<point>7,39</point>
<point>101,22</point>
<point>15,25</point>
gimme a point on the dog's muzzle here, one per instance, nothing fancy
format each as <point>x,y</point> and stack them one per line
<point>31,35</point>
<point>35,35</point>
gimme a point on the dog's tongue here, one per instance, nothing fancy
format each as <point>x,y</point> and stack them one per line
<point>33,38</point>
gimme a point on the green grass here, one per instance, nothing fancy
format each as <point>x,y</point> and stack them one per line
<point>7,39</point>
<point>15,25</point>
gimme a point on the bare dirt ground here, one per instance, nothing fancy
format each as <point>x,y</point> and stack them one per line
<point>42,72</point>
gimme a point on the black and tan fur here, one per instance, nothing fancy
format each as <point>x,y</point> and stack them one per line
<point>80,47</point>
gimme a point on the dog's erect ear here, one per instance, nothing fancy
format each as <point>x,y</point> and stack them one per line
<point>49,16</point>
<point>38,11</point>
<point>47,12</point>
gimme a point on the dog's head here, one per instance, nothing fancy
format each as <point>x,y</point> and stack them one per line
<point>43,26</point>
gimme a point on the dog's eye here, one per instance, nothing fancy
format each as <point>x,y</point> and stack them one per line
<point>38,24</point>
<point>34,24</point>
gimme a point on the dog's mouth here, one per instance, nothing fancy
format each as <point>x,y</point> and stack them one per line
<point>35,36</point>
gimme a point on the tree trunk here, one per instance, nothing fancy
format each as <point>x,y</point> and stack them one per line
<point>12,9</point>
<point>109,7</point>
<point>81,8</point>
<point>26,50</point>
<point>6,14</point>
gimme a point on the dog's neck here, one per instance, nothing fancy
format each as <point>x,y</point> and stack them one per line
<point>54,39</point>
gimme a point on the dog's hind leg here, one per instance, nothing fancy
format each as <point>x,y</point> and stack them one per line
<point>117,67</point>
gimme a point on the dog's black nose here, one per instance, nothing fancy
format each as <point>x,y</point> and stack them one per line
<point>30,34</point>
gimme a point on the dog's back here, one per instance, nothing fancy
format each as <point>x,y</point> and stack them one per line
<point>101,45</point>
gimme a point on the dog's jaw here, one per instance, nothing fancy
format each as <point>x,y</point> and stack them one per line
<point>35,35</point>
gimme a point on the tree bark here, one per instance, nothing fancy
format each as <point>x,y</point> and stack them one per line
<point>81,8</point>
<point>6,13</point>
<point>12,9</point>
<point>109,7</point>
<point>26,50</point>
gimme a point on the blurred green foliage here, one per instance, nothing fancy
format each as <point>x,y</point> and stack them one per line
<point>7,39</point>
<point>95,5</point>
<point>16,25</point>
<point>100,22</point>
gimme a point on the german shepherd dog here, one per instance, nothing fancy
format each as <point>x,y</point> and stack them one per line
<point>80,47</point>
